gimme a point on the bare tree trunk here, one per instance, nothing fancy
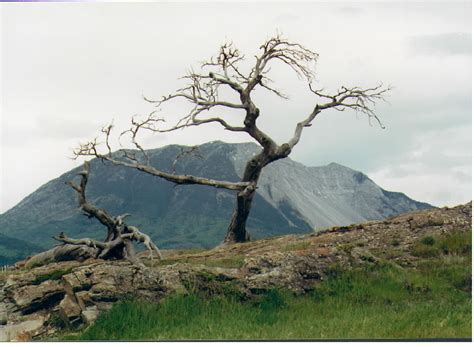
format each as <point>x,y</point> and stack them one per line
<point>237,231</point>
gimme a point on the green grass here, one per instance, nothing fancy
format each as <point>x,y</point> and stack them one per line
<point>297,246</point>
<point>432,300</point>
<point>54,275</point>
<point>459,243</point>
<point>456,243</point>
<point>227,262</point>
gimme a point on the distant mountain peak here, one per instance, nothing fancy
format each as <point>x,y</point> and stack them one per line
<point>291,198</point>
<point>333,164</point>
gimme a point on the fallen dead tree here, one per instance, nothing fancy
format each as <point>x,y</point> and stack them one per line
<point>118,244</point>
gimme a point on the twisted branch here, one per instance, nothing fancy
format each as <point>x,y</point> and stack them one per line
<point>202,89</point>
<point>120,237</point>
<point>128,158</point>
<point>357,99</point>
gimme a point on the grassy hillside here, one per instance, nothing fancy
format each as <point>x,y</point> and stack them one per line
<point>12,250</point>
<point>431,298</point>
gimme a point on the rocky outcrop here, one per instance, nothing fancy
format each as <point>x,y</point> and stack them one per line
<point>80,292</point>
<point>37,303</point>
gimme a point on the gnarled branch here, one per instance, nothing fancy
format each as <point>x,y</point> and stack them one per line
<point>89,209</point>
<point>357,99</point>
<point>202,88</point>
<point>134,234</point>
<point>129,159</point>
<point>120,237</point>
<point>82,242</point>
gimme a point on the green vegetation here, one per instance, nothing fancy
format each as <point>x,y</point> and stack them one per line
<point>428,240</point>
<point>432,300</point>
<point>12,250</point>
<point>54,275</point>
<point>345,247</point>
<point>429,299</point>
<point>425,251</point>
<point>230,262</point>
<point>296,246</point>
<point>457,243</point>
<point>395,242</point>
<point>225,262</point>
<point>208,285</point>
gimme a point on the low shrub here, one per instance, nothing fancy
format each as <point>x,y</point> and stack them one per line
<point>428,240</point>
<point>456,243</point>
<point>424,251</point>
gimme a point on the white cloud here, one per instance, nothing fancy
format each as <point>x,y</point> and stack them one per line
<point>441,44</point>
<point>437,170</point>
<point>70,68</point>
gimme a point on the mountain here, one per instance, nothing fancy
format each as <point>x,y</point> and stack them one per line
<point>11,249</point>
<point>292,198</point>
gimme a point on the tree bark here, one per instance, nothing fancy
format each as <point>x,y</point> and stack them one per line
<point>237,230</point>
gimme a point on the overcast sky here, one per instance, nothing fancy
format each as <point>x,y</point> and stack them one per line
<point>69,68</point>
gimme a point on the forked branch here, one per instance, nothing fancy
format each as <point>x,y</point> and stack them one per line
<point>357,99</point>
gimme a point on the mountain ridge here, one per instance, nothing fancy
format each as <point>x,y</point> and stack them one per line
<point>291,198</point>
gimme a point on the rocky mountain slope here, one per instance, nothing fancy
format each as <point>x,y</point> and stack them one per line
<point>36,303</point>
<point>292,198</point>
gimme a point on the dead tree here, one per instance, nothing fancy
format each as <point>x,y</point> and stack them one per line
<point>225,74</point>
<point>118,244</point>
